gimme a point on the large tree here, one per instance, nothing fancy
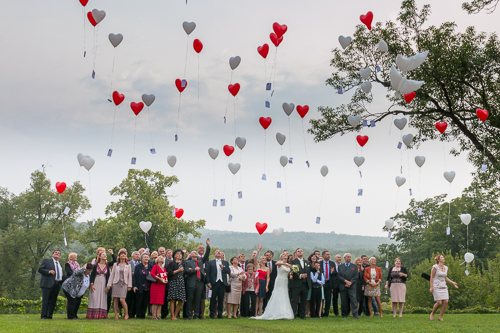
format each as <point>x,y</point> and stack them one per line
<point>475,6</point>
<point>461,74</point>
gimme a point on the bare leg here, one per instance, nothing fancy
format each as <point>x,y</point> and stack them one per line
<point>308,308</point>
<point>153,310</point>
<point>370,307</point>
<point>443,309</point>
<point>235,310</point>
<point>115,306</point>
<point>202,310</point>
<point>394,309</point>
<point>172,310</point>
<point>379,304</point>
<point>178,308</point>
<point>401,307</point>
<point>124,306</point>
<point>434,309</point>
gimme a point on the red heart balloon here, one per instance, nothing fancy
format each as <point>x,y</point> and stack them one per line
<point>60,187</point>
<point>274,38</point>
<point>367,20</point>
<point>137,107</point>
<point>441,127</point>
<point>91,19</point>
<point>197,45</point>
<point>265,122</point>
<point>482,114</point>
<point>263,50</point>
<point>409,97</point>
<point>84,2</point>
<point>234,89</point>
<point>362,140</point>
<point>228,150</point>
<point>261,227</point>
<point>179,212</point>
<point>302,110</point>
<point>118,98</point>
<point>178,84</point>
<point>279,29</point>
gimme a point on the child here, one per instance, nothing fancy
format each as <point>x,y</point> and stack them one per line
<point>249,288</point>
<point>318,280</point>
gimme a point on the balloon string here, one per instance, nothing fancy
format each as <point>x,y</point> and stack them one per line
<point>225,181</point>
<point>234,117</point>
<point>419,181</point>
<point>113,128</point>
<point>178,115</point>
<point>135,132</point>
<point>145,241</point>
<point>408,160</point>
<point>449,207</point>
<point>150,132</point>
<point>232,188</point>
<point>290,136</point>
<point>401,155</point>
<point>265,144</point>
<point>286,187</point>
<point>265,78</point>
<point>198,78</point>
<point>359,187</point>
<point>396,207</point>
<point>444,157</point>
<point>321,196</point>
<point>112,73</point>
<point>215,183</point>
<point>241,153</point>
<point>90,191</point>
<point>273,71</point>
<point>84,34</point>
<point>96,36</point>
<point>390,124</point>
<point>185,62</point>
<point>304,137</point>
<point>227,100</point>
<point>467,238</point>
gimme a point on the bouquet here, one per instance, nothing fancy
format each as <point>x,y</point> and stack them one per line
<point>295,269</point>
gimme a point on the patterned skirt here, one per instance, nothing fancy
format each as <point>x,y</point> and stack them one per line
<point>372,291</point>
<point>177,289</point>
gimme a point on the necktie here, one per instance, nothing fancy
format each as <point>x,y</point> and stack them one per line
<point>326,271</point>
<point>347,265</point>
<point>197,272</point>
<point>57,271</point>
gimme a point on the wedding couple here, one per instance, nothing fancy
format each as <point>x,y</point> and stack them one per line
<point>278,307</point>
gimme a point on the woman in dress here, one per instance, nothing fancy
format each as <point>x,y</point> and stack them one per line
<point>98,300</point>
<point>75,287</point>
<point>236,277</point>
<point>141,286</point>
<point>157,294</point>
<point>263,277</point>
<point>176,285</point>
<point>396,281</point>
<point>121,281</point>
<point>360,287</point>
<point>72,265</point>
<point>373,278</point>
<point>439,289</point>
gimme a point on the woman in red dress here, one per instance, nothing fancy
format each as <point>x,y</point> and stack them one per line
<point>158,288</point>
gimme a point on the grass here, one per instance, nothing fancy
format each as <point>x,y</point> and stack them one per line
<point>409,323</point>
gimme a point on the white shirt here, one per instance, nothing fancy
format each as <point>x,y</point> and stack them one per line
<point>85,285</point>
<point>219,270</point>
<point>301,262</point>
<point>58,270</point>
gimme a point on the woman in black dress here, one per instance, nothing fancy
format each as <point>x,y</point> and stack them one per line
<point>176,285</point>
<point>360,285</point>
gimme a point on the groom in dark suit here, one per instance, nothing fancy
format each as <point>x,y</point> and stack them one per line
<point>348,277</point>
<point>271,264</point>
<point>301,283</point>
<point>217,271</point>
<point>51,281</point>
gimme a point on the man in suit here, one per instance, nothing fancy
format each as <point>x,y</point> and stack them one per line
<point>195,273</point>
<point>348,277</point>
<point>329,271</point>
<point>51,281</point>
<point>271,264</point>
<point>301,283</point>
<point>203,256</point>
<point>335,285</point>
<point>217,271</point>
<point>242,262</point>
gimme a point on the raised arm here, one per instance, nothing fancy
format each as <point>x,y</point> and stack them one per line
<point>207,252</point>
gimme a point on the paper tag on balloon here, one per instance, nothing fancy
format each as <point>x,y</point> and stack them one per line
<point>377,68</point>
<point>483,167</point>
<point>222,202</point>
<point>268,105</point>
<point>360,192</point>
<point>65,242</point>
<point>110,151</point>
<point>278,185</point>
<point>209,293</point>
<point>214,203</point>
<point>272,93</point>
<point>153,151</point>
<point>419,211</point>
<point>268,86</point>
<point>84,53</point>
<point>133,160</point>
<point>410,193</point>
<point>183,83</point>
<point>467,272</point>
<point>66,210</point>
<point>389,235</point>
<point>401,170</point>
<point>224,120</point>
<point>365,123</point>
<point>173,212</point>
<point>176,137</point>
<point>287,209</point>
<point>358,209</point>
<point>318,219</point>
<point>290,160</point>
<point>230,218</point>
<point>360,175</point>
<point>93,222</point>
<point>263,176</point>
<point>240,194</point>
<point>448,230</point>
<point>387,264</point>
<point>400,145</point>
<point>339,91</point>
<point>93,74</point>
<point>372,123</point>
<point>307,162</point>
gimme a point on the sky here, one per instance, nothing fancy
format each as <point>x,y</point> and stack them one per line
<point>52,109</point>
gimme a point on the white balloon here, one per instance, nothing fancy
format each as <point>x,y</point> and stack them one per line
<point>98,15</point>
<point>213,152</point>
<point>389,223</point>
<point>280,138</point>
<point>234,167</point>
<point>189,27</point>
<point>88,163</point>
<point>148,99</point>
<point>466,218</point>
<point>145,226</point>
<point>115,39</point>
<point>345,41</point>
<point>449,175</point>
<point>403,62</point>
<point>288,108</point>
<point>171,160</point>
<point>407,139</point>
<point>278,232</point>
<point>400,123</point>
<point>365,73</point>
<point>382,46</point>
<point>324,170</point>
<point>359,160</point>
<point>366,87</point>
<point>402,83</point>
<point>398,94</point>
<point>395,78</point>
<point>417,60</point>
<point>468,257</point>
<point>410,86</point>
<point>241,142</point>
<point>283,161</point>
<point>80,157</point>
<point>400,181</point>
<point>354,120</point>
<point>420,160</point>
<point>234,62</point>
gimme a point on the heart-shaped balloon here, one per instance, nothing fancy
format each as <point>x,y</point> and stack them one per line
<point>178,84</point>
<point>84,2</point>
<point>60,187</point>
<point>234,62</point>
<point>324,170</point>
<point>345,41</point>
<point>213,152</point>
<point>365,73</point>
<point>171,160</point>
<point>283,161</point>
<point>288,108</point>
<point>468,257</point>
<point>80,157</point>
<point>354,120</point>
<point>400,123</point>
<point>274,38</point>
<point>241,142</point>
<point>197,45</point>
<point>482,114</point>
<point>265,122</point>
<point>389,224</point>
<point>449,175</point>
<point>409,97</point>
<point>234,89</point>
<point>88,163</point>
<point>91,19</point>
<point>148,99</point>
<point>441,127</point>
<point>400,181</point>
<point>407,139</point>
<point>263,50</point>
<point>466,218</point>
<point>366,87</point>
<point>118,98</point>
<point>98,15</point>
<point>234,167</point>
<point>137,107</point>
<point>261,227</point>
<point>145,226</point>
<point>382,46</point>
<point>419,160</point>
<point>359,160</point>
<point>179,212</point>
<point>302,110</point>
<point>115,39</point>
<point>278,232</point>
<point>228,150</point>
<point>367,20</point>
<point>362,140</point>
<point>280,138</point>
<point>279,29</point>
<point>189,27</point>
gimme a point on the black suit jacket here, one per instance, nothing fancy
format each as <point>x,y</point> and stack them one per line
<point>332,277</point>
<point>138,278</point>
<point>47,280</point>
<point>274,274</point>
<point>190,272</point>
<point>211,268</point>
<point>347,273</point>
<point>296,280</point>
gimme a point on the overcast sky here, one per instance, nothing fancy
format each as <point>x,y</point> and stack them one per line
<point>52,109</point>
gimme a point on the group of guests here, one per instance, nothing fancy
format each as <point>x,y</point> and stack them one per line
<point>165,281</point>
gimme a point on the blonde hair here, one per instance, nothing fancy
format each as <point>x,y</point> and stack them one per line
<point>359,265</point>
<point>99,249</point>
<point>120,252</point>
<point>71,256</point>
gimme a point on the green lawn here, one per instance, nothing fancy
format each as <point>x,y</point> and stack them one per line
<point>409,323</point>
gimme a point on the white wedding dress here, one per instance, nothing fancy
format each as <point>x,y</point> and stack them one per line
<point>278,307</point>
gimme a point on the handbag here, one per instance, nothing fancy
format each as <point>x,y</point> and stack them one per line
<point>150,278</point>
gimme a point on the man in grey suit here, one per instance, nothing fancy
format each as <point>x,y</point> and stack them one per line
<point>51,281</point>
<point>348,277</point>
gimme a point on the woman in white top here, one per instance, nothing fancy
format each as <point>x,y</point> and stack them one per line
<point>439,289</point>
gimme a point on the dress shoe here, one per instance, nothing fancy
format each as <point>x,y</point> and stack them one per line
<point>356,316</point>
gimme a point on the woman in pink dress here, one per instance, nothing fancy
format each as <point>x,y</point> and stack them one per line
<point>439,289</point>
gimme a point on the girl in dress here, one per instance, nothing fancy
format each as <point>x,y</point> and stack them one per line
<point>121,281</point>
<point>439,289</point>
<point>249,286</point>
<point>373,278</point>
<point>396,281</point>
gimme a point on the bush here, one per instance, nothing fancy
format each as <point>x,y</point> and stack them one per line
<point>12,306</point>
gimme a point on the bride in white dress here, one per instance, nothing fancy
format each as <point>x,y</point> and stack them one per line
<point>278,306</point>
